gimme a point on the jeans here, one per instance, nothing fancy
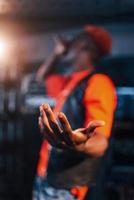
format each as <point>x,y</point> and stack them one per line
<point>42,191</point>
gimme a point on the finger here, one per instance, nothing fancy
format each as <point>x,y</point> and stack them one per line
<point>67,130</point>
<point>40,124</point>
<point>65,123</point>
<point>44,119</point>
<point>47,131</point>
<point>93,125</point>
<point>43,128</point>
<point>52,121</point>
<point>78,136</point>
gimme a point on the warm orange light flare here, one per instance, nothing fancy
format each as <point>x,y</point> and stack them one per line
<point>3,49</point>
<point>6,49</point>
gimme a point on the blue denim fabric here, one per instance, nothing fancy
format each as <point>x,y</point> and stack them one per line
<point>42,191</point>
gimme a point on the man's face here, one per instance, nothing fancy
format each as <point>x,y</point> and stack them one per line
<point>79,56</point>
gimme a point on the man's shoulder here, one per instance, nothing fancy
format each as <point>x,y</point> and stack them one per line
<point>100,78</point>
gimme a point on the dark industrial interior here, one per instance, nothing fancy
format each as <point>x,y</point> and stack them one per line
<point>28,28</point>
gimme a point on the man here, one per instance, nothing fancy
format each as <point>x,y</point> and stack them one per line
<point>85,110</point>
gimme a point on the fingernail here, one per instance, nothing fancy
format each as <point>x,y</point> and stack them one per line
<point>103,123</point>
<point>100,123</point>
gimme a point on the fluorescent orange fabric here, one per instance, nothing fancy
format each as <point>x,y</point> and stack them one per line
<point>55,84</point>
<point>79,192</point>
<point>43,160</point>
<point>100,102</point>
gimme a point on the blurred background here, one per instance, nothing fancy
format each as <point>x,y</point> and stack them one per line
<point>27,29</point>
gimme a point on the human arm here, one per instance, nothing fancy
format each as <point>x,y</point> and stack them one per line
<point>100,102</point>
<point>47,68</point>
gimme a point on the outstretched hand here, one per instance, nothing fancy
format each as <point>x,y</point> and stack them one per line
<point>61,135</point>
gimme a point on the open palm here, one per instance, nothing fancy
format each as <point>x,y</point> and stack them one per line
<point>61,135</point>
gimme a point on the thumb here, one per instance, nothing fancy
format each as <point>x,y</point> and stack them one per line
<point>93,125</point>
